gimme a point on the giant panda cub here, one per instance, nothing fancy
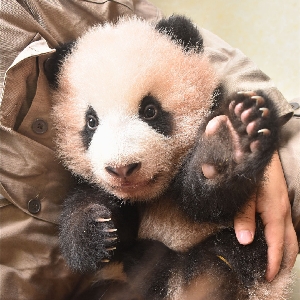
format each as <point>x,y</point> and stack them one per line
<point>164,158</point>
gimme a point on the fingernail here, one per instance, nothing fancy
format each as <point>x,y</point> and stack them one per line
<point>245,237</point>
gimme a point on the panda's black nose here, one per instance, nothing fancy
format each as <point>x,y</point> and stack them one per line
<point>123,171</point>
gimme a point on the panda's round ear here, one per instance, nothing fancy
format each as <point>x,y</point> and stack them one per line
<point>53,64</point>
<point>183,31</point>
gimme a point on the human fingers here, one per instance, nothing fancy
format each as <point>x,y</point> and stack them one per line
<point>282,243</point>
<point>244,223</point>
<point>274,233</point>
<point>275,210</point>
<point>291,246</point>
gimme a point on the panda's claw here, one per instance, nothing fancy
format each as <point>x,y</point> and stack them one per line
<point>247,93</point>
<point>105,260</point>
<point>103,220</point>
<point>113,239</point>
<point>264,131</point>
<point>259,100</point>
<point>111,248</point>
<point>264,112</point>
<point>110,230</point>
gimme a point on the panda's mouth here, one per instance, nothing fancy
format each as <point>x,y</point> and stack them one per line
<point>126,186</point>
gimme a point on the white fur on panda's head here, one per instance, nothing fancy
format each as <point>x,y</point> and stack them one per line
<point>128,105</point>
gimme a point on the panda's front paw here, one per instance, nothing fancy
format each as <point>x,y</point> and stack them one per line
<point>251,117</point>
<point>88,238</point>
<point>252,125</point>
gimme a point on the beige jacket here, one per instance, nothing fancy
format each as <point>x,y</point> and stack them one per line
<point>32,181</point>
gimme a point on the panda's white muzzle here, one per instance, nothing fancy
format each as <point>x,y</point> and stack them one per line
<point>129,158</point>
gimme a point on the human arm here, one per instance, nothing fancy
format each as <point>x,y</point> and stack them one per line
<point>272,203</point>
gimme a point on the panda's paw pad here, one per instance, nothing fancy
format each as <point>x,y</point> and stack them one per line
<point>248,122</point>
<point>214,126</point>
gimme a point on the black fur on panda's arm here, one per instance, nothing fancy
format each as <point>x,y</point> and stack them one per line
<point>92,224</point>
<point>249,263</point>
<point>219,199</point>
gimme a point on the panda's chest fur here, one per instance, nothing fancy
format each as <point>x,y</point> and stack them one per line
<point>161,220</point>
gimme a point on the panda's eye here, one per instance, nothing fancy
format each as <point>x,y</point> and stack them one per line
<point>92,122</point>
<point>150,112</point>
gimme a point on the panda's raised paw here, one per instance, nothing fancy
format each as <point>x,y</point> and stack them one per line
<point>250,120</point>
<point>250,109</point>
<point>251,117</point>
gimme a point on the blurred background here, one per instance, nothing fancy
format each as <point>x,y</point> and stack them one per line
<point>267,31</point>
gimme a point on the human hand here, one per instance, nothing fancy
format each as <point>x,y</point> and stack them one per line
<point>272,203</point>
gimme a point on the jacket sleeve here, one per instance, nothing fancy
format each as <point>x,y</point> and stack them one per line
<point>239,73</point>
<point>290,159</point>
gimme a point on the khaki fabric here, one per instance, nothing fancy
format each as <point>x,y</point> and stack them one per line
<point>239,73</point>
<point>290,158</point>
<point>31,266</point>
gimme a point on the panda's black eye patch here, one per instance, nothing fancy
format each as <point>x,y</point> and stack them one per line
<point>151,112</point>
<point>91,124</point>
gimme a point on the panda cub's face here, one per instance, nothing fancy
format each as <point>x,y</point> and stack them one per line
<point>127,108</point>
